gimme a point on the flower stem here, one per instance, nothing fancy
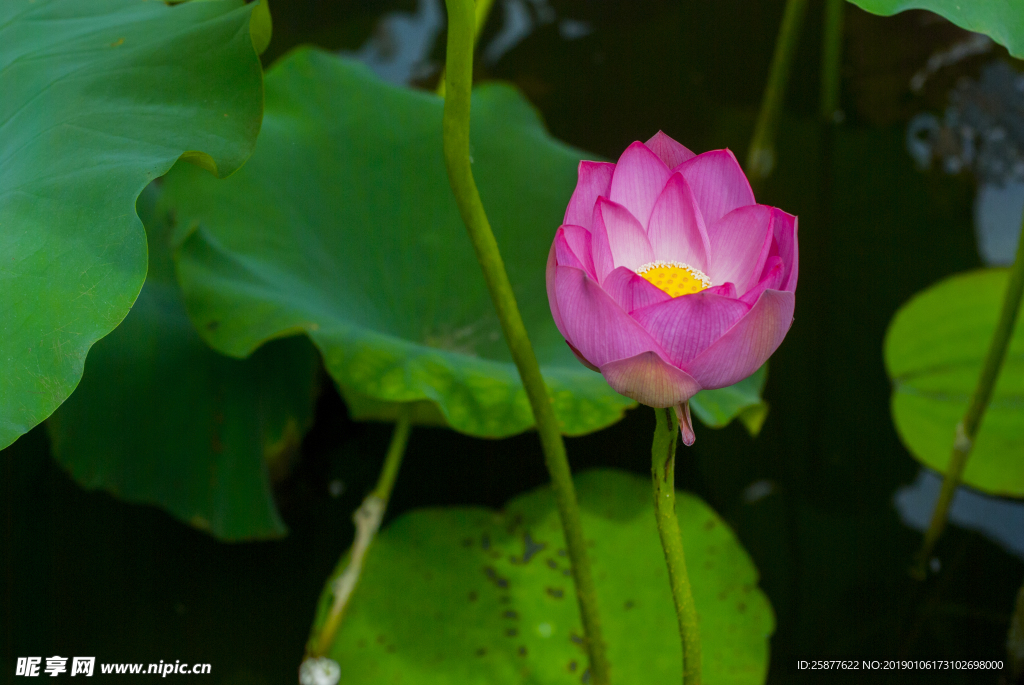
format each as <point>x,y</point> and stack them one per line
<point>456,153</point>
<point>761,156</point>
<point>483,9</point>
<point>367,519</point>
<point>663,475</point>
<point>968,426</point>
<point>831,59</point>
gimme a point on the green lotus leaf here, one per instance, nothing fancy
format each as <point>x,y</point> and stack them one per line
<point>933,353</point>
<point>160,418</point>
<point>716,408</point>
<point>472,596</point>
<point>99,98</point>
<point>342,225</point>
<point>261,26</point>
<point>1001,20</point>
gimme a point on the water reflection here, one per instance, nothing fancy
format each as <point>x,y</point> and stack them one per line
<point>982,131</point>
<point>400,48</point>
<point>1000,520</point>
<point>998,212</point>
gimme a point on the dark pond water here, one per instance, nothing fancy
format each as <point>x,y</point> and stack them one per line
<point>812,498</point>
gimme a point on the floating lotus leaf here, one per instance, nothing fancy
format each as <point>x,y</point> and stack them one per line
<point>342,225</point>
<point>99,98</point>
<point>933,353</point>
<point>475,597</point>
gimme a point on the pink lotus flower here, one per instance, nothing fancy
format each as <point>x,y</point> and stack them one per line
<point>667,277</point>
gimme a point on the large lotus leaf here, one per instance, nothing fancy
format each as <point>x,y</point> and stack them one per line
<point>161,418</point>
<point>342,225</point>
<point>933,353</point>
<point>469,596</point>
<point>99,98</point>
<point>1001,20</point>
<point>715,408</point>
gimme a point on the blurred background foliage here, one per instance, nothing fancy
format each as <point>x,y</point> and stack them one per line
<point>826,499</point>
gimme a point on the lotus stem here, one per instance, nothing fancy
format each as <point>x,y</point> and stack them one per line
<point>1015,639</point>
<point>831,59</point>
<point>761,156</point>
<point>367,519</point>
<point>663,469</point>
<point>456,153</point>
<point>483,10</point>
<point>968,426</point>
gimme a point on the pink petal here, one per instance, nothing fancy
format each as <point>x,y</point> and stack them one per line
<point>595,179</point>
<point>549,281</point>
<point>676,229</point>
<point>748,344</point>
<point>771,279</point>
<point>648,379</point>
<point>685,423</point>
<point>785,246</point>
<point>725,290</point>
<point>740,244</point>
<point>564,254</point>
<point>597,327</point>
<point>618,239</point>
<point>575,241</point>
<point>686,326</point>
<point>631,291</point>
<point>638,180</point>
<point>583,360</point>
<point>718,183</point>
<point>670,152</point>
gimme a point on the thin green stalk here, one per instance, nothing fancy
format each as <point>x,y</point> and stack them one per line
<point>831,59</point>
<point>460,175</point>
<point>1015,639</point>
<point>663,475</point>
<point>367,519</point>
<point>761,156</point>
<point>968,426</point>
<point>483,9</point>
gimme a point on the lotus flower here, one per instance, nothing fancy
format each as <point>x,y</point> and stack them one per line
<point>667,277</point>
